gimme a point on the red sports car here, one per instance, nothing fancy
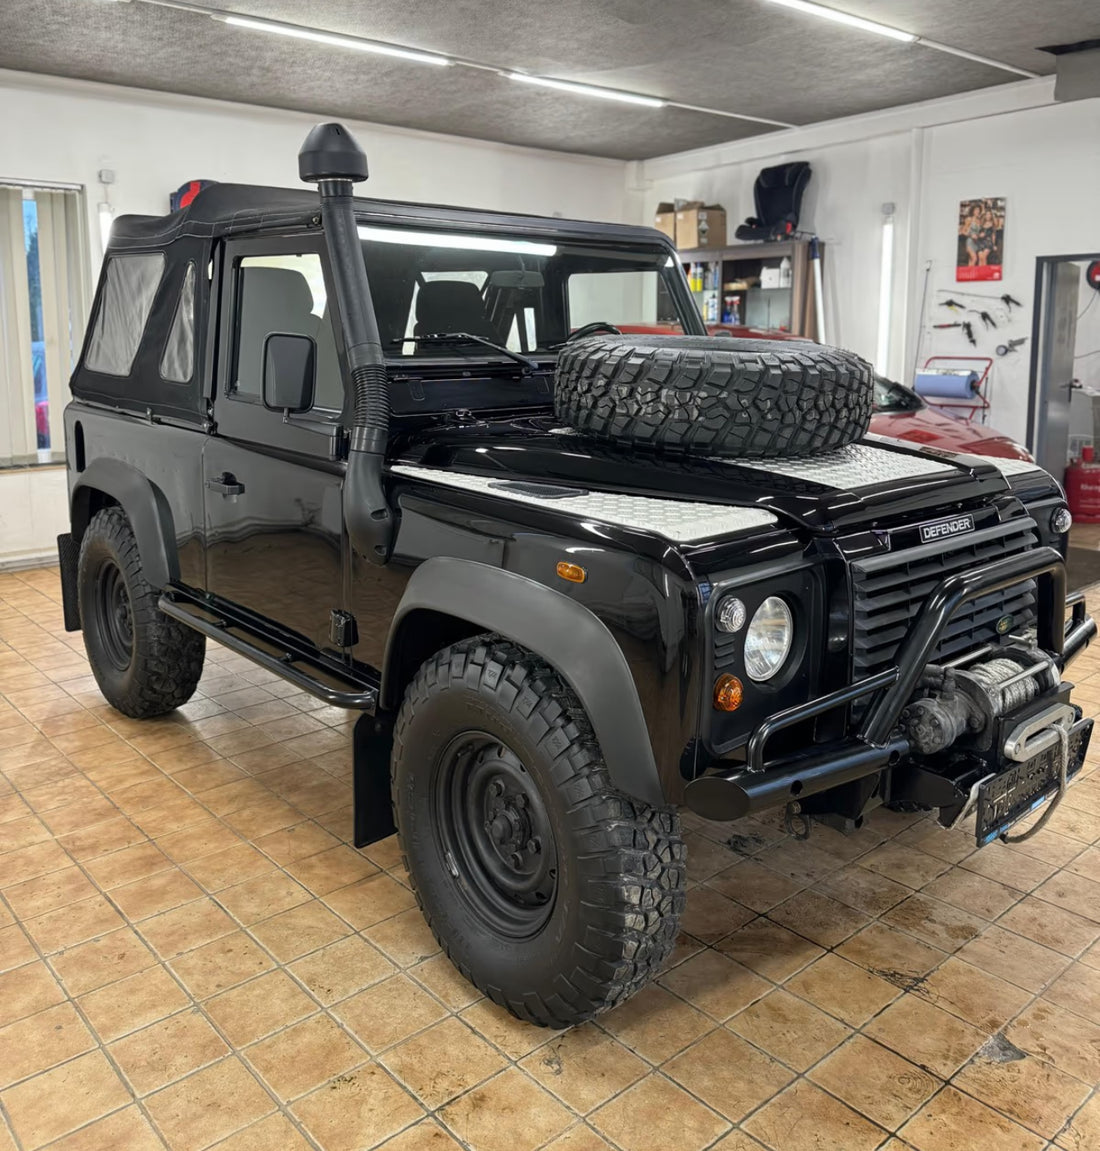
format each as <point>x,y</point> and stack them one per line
<point>899,411</point>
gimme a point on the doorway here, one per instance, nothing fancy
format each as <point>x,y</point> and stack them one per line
<point>1064,401</point>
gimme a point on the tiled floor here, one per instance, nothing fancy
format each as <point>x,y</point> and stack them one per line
<point>193,956</point>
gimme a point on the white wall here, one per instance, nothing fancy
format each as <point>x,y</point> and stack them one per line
<point>1010,141</point>
<point>66,131</point>
<point>33,513</point>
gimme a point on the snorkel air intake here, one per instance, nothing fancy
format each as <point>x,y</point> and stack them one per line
<point>331,159</point>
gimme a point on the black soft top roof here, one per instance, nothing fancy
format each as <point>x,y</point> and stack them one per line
<point>227,208</point>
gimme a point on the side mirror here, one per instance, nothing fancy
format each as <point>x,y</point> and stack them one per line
<point>290,372</point>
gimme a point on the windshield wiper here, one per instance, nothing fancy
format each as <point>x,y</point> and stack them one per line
<point>466,338</point>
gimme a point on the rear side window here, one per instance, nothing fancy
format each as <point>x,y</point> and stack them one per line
<point>129,285</point>
<point>178,361</point>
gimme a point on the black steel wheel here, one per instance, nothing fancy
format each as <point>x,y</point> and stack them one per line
<point>145,663</point>
<point>552,892</point>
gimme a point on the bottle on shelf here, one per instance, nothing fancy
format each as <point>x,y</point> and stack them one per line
<point>786,277</point>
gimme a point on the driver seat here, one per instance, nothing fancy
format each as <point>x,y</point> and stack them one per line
<point>452,306</point>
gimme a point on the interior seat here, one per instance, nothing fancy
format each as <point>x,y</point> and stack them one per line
<point>452,306</point>
<point>272,300</point>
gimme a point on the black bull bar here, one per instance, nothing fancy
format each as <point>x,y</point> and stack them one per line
<point>761,784</point>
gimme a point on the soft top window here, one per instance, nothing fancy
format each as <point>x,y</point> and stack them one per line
<point>178,361</point>
<point>129,285</point>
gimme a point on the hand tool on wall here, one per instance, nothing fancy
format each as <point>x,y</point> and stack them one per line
<point>1010,346</point>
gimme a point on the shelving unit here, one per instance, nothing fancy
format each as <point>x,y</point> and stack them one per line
<point>790,309</point>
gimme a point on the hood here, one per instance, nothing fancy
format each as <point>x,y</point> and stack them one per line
<point>858,484</point>
<point>934,429</point>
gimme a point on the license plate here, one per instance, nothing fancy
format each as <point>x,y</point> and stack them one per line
<point>1008,797</point>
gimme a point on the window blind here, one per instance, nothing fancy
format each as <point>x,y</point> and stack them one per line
<point>17,426</point>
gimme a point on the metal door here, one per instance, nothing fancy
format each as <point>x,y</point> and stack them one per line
<point>1057,337</point>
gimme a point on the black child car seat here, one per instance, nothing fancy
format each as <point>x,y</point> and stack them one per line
<point>778,195</point>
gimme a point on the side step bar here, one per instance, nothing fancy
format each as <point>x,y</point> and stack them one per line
<point>338,687</point>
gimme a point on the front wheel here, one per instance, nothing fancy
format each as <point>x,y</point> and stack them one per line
<point>550,891</point>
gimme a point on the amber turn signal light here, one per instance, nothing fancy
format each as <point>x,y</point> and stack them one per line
<point>574,573</point>
<point>728,692</point>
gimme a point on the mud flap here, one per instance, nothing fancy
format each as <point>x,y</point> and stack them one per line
<point>373,810</point>
<point>68,555</point>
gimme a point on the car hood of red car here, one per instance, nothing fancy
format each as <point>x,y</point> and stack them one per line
<point>935,430</point>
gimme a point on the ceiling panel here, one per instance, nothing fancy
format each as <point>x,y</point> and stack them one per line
<point>745,56</point>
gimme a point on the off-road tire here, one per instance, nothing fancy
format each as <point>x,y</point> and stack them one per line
<point>614,916</point>
<point>166,657</point>
<point>706,395</point>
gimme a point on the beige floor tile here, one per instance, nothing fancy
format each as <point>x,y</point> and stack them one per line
<point>15,948</point>
<point>133,1002</point>
<point>27,990</point>
<point>728,1074</point>
<point>715,984</point>
<point>769,949</point>
<point>584,1067</point>
<point>514,1037</point>
<point>952,1121</point>
<point>709,915</point>
<point>936,923</point>
<point>655,1023</point>
<point>405,938</point>
<point>222,964</point>
<point>105,960</point>
<point>275,1133</point>
<point>819,917</point>
<point>262,897</point>
<point>753,885</point>
<point>973,995</point>
<point>450,1058</point>
<point>1058,1037</point>
<point>296,842</point>
<point>1082,1133</point>
<point>68,926</point>
<point>301,1058</point>
<point>341,969</point>
<point>49,892</point>
<point>103,839</point>
<point>56,1102</point>
<point>158,1055</point>
<point>1014,958</point>
<point>656,1115</point>
<point>203,837</point>
<point>125,1130</point>
<point>933,1039</point>
<point>1031,1092</point>
<point>1012,868</point>
<point>371,901</point>
<point>356,1111</point>
<point>898,958</point>
<point>440,976</point>
<point>875,1081</point>
<point>783,1122</point>
<point>193,925</point>
<point>1072,893</point>
<point>40,1041</point>
<point>790,1029</point>
<point>129,865</point>
<point>255,1009</point>
<point>842,989</point>
<point>32,861</point>
<point>973,893</point>
<point>1077,990</point>
<point>904,864</point>
<point>332,869</point>
<point>388,1012</point>
<point>299,931</point>
<point>230,866</point>
<point>155,893</point>
<point>208,1105</point>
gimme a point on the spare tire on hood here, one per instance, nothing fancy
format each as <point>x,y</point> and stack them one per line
<point>753,399</point>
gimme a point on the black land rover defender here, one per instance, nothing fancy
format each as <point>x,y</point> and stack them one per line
<point>571,578</point>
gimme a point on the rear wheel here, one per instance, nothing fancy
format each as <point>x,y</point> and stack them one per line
<point>145,663</point>
<point>552,892</point>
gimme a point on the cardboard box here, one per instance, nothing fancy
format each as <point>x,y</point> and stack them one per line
<point>700,225</point>
<point>665,220</point>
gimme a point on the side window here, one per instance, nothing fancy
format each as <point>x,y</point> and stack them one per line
<point>618,297</point>
<point>178,362</point>
<point>284,294</point>
<point>129,285</point>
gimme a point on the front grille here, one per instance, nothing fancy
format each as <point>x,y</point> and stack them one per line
<point>889,591</point>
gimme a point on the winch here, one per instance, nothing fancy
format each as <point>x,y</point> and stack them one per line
<point>967,700</point>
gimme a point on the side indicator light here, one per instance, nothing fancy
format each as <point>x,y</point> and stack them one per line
<point>574,573</point>
<point>728,693</point>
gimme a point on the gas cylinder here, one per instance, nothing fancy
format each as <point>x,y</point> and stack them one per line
<point>1083,488</point>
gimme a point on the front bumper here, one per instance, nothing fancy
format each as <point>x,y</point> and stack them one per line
<point>763,783</point>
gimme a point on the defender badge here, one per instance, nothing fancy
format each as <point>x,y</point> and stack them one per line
<point>941,529</point>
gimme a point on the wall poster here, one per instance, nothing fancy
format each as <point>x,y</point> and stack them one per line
<point>981,239</point>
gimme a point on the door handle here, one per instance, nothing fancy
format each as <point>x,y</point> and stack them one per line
<point>227,484</point>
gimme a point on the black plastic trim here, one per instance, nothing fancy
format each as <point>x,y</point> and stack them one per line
<point>560,630</point>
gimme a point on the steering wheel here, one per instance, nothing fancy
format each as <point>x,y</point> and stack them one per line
<point>591,329</point>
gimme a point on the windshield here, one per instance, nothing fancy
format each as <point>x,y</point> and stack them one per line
<point>525,294</point>
<point>891,397</point>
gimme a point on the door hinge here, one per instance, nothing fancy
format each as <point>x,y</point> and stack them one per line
<point>343,631</point>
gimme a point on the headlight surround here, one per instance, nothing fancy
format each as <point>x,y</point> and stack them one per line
<point>768,639</point>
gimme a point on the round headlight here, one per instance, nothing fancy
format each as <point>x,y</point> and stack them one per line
<point>1061,521</point>
<point>768,639</point>
<point>730,616</point>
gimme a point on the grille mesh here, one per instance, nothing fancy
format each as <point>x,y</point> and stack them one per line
<point>889,592</point>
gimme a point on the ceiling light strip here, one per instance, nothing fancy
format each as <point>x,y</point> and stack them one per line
<point>731,115</point>
<point>356,43</point>
<point>839,17</point>
<point>588,90</point>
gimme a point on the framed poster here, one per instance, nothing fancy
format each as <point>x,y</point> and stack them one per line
<point>981,239</point>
